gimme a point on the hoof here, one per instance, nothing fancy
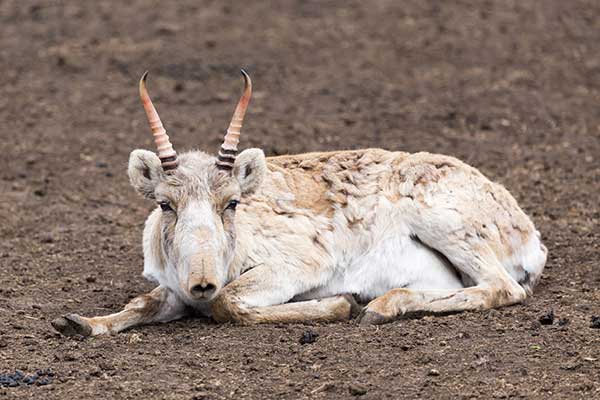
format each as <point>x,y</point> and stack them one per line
<point>371,318</point>
<point>72,325</point>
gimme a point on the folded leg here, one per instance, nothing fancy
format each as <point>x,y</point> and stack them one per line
<point>261,295</point>
<point>398,302</point>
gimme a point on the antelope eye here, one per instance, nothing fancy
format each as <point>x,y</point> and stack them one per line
<point>165,206</point>
<point>232,205</point>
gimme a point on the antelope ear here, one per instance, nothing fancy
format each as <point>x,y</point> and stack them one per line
<point>144,172</point>
<point>249,169</point>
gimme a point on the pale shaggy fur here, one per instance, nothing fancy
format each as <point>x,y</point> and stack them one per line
<point>420,232</point>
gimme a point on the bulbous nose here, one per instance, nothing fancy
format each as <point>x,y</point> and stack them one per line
<point>202,290</point>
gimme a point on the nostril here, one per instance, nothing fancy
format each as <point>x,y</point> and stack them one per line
<point>202,288</point>
<point>209,287</point>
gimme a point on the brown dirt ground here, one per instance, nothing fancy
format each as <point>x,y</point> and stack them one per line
<point>512,87</point>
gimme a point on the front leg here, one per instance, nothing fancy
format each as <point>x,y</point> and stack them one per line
<point>160,305</point>
<point>261,295</point>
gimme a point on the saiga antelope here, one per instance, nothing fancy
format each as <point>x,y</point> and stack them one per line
<point>298,238</point>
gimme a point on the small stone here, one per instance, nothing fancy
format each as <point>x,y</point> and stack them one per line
<point>433,372</point>
<point>179,87</point>
<point>308,337</point>
<point>165,28</point>
<point>595,322</point>
<point>356,389</point>
<point>134,338</point>
<point>90,279</point>
<point>547,319</point>
<point>43,381</point>
<point>47,239</point>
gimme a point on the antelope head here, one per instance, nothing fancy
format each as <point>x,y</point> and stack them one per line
<point>196,196</point>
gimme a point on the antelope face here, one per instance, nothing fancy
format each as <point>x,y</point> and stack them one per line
<point>197,195</point>
<point>197,204</point>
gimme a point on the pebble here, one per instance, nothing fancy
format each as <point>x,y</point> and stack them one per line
<point>356,389</point>
<point>308,337</point>
<point>595,322</point>
<point>547,319</point>
<point>134,338</point>
<point>47,239</point>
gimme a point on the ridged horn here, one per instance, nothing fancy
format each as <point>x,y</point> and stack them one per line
<point>228,150</point>
<point>166,153</point>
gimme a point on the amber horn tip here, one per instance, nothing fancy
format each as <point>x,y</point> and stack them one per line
<point>143,83</point>
<point>247,80</point>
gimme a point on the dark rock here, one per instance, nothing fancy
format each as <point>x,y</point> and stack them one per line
<point>308,337</point>
<point>547,319</point>
<point>43,381</point>
<point>40,377</point>
<point>595,322</point>
<point>47,239</point>
<point>179,87</point>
